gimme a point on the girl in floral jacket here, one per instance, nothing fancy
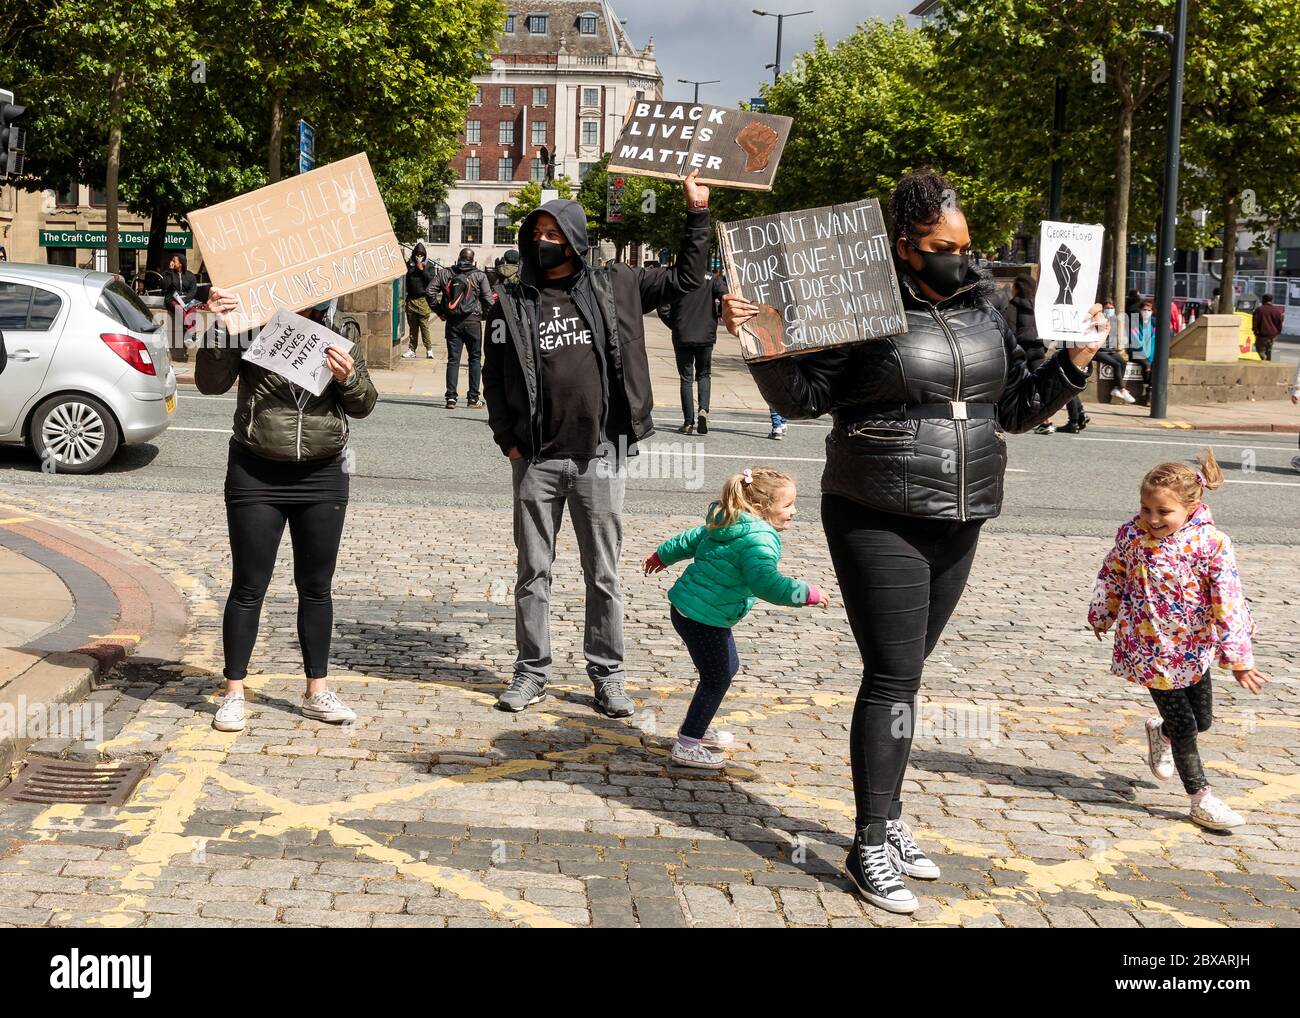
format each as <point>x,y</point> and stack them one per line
<point>1171,583</point>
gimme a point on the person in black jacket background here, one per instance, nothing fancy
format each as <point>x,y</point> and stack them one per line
<point>567,382</point>
<point>419,274</point>
<point>693,317</point>
<point>914,466</point>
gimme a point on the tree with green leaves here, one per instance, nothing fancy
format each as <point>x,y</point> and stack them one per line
<point>88,69</point>
<point>1241,128</point>
<point>1096,45</point>
<point>866,111</point>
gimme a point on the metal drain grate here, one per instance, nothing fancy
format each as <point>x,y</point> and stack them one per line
<point>46,780</point>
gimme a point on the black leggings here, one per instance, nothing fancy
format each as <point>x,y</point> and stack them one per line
<point>1186,712</point>
<point>255,530</point>
<point>713,652</point>
<point>901,578</point>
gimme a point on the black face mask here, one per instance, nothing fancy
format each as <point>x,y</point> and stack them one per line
<point>943,272</point>
<point>551,255</point>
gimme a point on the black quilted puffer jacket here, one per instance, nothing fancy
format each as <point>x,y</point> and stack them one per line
<point>919,418</point>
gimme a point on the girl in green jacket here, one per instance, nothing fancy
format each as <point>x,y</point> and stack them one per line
<point>736,558</point>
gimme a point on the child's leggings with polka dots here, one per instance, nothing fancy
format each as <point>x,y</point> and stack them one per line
<point>713,651</point>
<point>1186,712</point>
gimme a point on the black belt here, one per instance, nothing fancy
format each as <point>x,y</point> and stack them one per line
<point>949,411</point>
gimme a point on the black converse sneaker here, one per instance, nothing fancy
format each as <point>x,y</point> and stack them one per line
<point>906,854</point>
<point>873,873</point>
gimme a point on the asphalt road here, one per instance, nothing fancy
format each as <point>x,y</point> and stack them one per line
<point>412,453</point>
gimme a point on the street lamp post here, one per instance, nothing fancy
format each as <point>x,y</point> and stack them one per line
<point>697,84</point>
<point>1168,216</point>
<point>780,21</point>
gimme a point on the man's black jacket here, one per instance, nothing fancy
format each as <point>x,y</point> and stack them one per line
<point>693,317</point>
<point>612,302</point>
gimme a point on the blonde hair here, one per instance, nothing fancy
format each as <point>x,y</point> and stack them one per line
<point>751,491</point>
<point>1187,484</point>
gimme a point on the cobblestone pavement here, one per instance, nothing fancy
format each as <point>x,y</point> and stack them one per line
<point>1028,781</point>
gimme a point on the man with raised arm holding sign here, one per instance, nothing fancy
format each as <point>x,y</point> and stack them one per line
<point>567,383</point>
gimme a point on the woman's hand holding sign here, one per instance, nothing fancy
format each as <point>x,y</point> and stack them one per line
<point>222,303</point>
<point>1095,330</point>
<point>339,363</point>
<point>736,311</point>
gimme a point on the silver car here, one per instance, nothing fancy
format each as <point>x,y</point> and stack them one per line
<point>88,367</point>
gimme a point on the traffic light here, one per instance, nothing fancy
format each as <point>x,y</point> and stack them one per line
<point>13,139</point>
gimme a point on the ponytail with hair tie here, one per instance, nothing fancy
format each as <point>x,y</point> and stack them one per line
<point>750,491</point>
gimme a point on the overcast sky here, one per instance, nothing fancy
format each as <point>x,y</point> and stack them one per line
<point>705,39</point>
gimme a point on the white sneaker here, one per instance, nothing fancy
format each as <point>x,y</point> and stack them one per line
<point>1212,812</point>
<point>428,355</point>
<point>716,738</point>
<point>1124,394</point>
<point>326,706</point>
<point>408,355</point>
<point>697,756</point>
<point>1160,754</point>
<point>230,714</point>
<point>906,854</point>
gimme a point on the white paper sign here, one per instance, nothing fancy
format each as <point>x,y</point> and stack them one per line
<point>294,346</point>
<point>1069,266</point>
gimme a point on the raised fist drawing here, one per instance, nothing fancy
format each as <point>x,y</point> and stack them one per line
<point>759,143</point>
<point>1066,266</point>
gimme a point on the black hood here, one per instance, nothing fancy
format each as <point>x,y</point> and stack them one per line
<point>416,252</point>
<point>573,224</point>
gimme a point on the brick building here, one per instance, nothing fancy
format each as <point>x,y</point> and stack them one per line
<point>559,87</point>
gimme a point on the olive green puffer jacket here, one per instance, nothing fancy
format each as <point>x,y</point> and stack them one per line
<point>267,417</point>
<point>733,565</point>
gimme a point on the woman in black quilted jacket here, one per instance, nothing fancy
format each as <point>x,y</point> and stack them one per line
<point>914,466</point>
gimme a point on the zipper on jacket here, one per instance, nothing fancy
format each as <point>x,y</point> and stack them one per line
<point>960,426</point>
<point>299,433</point>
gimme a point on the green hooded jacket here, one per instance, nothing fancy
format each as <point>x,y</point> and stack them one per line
<point>732,567</point>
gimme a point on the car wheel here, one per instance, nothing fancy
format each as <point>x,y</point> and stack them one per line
<point>74,435</point>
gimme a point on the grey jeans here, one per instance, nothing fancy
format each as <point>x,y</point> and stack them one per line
<point>593,491</point>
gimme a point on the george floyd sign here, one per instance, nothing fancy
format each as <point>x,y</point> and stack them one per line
<point>821,277</point>
<point>298,242</point>
<point>1070,256</point>
<point>735,148</point>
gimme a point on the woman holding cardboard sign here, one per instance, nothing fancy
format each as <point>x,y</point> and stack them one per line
<point>287,466</point>
<point>914,466</point>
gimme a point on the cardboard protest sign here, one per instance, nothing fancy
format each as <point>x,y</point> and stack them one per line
<point>300,241</point>
<point>1070,264</point>
<point>737,148</point>
<point>294,346</point>
<point>821,277</point>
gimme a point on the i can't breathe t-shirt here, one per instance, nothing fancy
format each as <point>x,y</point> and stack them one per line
<point>571,386</point>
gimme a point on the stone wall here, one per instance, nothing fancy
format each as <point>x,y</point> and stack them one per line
<point>1203,382</point>
<point>372,310</point>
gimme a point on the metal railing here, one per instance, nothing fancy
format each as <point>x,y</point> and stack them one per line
<point>1200,286</point>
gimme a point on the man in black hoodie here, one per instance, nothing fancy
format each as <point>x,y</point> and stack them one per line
<point>567,383</point>
<point>462,297</point>
<point>419,275</point>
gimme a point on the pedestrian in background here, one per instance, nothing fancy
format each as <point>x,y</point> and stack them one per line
<point>179,290</point>
<point>462,297</point>
<point>1109,354</point>
<point>693,319</point>
<point>1171,589</point>
<point>1019,314</point>
<point>1267,322</point>
<point>419,275</point>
